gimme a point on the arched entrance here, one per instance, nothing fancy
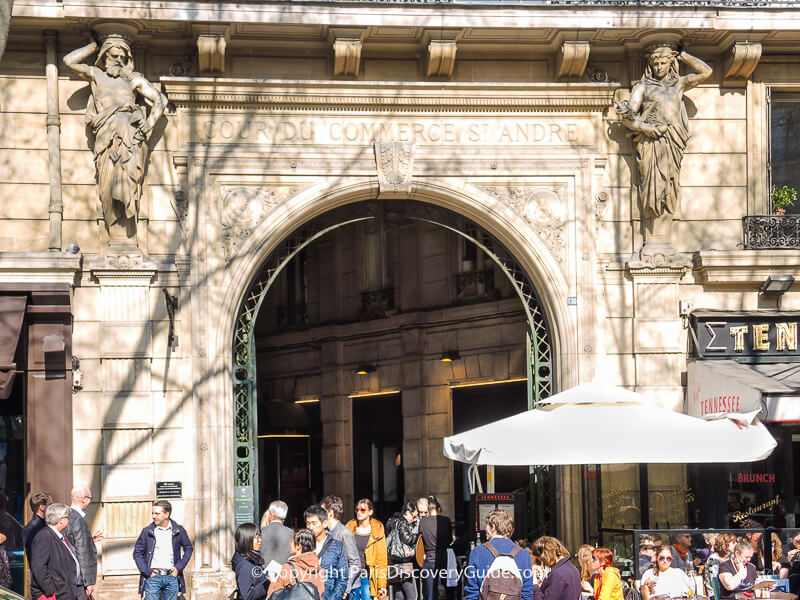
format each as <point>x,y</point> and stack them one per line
<point>540,346</point>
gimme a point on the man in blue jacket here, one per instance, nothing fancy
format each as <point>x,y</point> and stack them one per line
<point>499,528</point>
<point>332,558</point>
<point>161,553</point>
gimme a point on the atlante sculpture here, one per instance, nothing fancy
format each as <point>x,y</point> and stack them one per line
<point>659,126</point>
<point>121,126</point>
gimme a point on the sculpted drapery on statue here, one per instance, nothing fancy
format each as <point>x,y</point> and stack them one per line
<point>121,127</point>
<point>659,126</point>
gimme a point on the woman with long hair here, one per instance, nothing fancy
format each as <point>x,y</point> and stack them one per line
<point>584,557</point>
<point>663,578</point>
<point>563,581</point>
<point>608,582</point>
<point>302,566</point>
<point>371,543</point>
<point>723,546</point>
<point>251,579</point>
<point>401,542</point>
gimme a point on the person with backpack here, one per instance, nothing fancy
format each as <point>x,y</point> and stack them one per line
<point>301,578</point>
<point>331,554</point>
<point>251,579</point>
<point>401,541</point>
<point>371,544</point>
<point>563,582</point>
<point>500,567</point>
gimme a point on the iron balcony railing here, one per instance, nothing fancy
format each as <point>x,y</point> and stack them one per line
<point>762,232</point>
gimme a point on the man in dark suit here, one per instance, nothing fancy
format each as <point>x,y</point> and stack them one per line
<point>54,566</point>
<point>275,536</point>
<point>80,537</point>
<point>39,501</point>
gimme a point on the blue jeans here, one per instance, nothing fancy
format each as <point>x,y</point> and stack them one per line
<point>430,581</point>
<point>161,587</point>
<point>359,592</point>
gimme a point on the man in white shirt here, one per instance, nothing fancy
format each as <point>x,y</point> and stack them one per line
<point>161,553</point>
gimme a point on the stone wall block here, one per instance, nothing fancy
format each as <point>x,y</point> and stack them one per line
<point>87,446</point>
<point>126,340</point>
<point>659,335</point>
<point>656,299</point>
<point>84,339</point>
<point>123,374</point>
<point>127,446</point>
<point>127,482</point>
<point>439,425</point>
<point>168,445</point>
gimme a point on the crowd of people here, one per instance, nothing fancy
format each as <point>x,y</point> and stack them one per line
<point>363,559</point>
<point>367,560</point>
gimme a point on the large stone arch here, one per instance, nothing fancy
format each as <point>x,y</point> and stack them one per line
<point>486,210</point>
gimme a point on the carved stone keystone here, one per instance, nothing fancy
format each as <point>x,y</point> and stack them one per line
<point>441,58</point>
<point>211,44</point>
<point>395,162</point>
<point>347,56</point>
<point>742,60</point>
<point>573,59</point>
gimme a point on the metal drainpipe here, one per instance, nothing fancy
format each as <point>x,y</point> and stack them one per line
<point>56,208</point>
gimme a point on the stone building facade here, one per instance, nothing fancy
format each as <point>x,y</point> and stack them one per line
<point>276,127</point>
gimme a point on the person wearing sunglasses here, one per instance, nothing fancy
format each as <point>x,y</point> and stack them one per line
<point>663,578</point>
<point>607,581</point>
<point>371,543</point>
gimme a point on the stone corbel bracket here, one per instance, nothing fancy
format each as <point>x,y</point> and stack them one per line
<point>441,58</point>
<point>742,61</point>
<point>346,56</point>
<point>212,41</point>
<point>395,163</point>
<point>572,61</point>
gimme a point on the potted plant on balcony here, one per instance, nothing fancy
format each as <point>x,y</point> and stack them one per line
<point>782,198</point>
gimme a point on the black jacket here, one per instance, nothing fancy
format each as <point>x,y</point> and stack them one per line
<point>562,583</point>
<point>52,567</point>
<point>251,578</point>
<point>80,537</point>
<point>30,530</point>
<point>407,532</point>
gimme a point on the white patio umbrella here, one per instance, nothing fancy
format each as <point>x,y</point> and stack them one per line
<point>596,423</point>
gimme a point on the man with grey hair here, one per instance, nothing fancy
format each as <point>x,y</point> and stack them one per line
<point>55,570</point>
<point>78,534</point>
<point>275,536</point>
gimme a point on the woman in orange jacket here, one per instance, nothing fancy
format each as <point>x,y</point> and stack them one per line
<point>607,583</point>
<point>371,544</point>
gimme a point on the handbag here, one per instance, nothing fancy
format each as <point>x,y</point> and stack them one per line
<point>300,590</point>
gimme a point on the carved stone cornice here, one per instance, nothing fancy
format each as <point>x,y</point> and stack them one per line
<point>745,266</point>
<point>573,59</point>
<point>347,56</point>
<point>441,58</point>
<point>742,60</point>
<point>322,96</point>
<point>211,43</point>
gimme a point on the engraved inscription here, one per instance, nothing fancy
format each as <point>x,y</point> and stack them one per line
<point>269,130</point>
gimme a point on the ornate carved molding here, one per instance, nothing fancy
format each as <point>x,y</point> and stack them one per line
<point>542,208</point>
<point>600,206</point>
<point>395,163</point>
<point>211,43</point>
<point>242,208</point>
<point>441,58</point>
<point>390,97</point>
<point>742,60</point>
<point>573,59</point>
<point>347,56</point>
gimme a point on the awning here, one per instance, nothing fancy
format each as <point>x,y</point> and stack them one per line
<point>596,423</point>
<point>12,312</point>
<point>725,387</point>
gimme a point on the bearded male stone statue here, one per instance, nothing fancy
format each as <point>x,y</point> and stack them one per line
<point>659,126</point>
<point>121,127</point>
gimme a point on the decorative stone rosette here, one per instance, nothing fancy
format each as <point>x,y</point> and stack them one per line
<point>243,208</point>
